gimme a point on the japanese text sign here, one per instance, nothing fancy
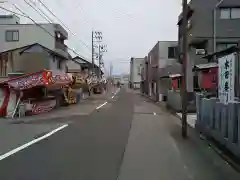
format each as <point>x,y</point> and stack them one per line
<point>226,72</point>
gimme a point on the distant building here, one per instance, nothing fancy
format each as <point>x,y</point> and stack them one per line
<point>125,78</point>
<point>163,54</point>
<point>86,66</point>
<point>144,76</point>
<point>135,72</point>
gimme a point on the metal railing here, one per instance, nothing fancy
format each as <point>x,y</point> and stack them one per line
<point>219,121</point>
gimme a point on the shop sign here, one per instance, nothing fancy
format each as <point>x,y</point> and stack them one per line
<point>226,72</point>
<point>27,82</point>
<point>59,77</point>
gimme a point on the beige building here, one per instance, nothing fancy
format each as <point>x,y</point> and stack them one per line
<point>29,59</point>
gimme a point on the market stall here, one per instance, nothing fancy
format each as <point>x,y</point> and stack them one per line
<point>34,92</point>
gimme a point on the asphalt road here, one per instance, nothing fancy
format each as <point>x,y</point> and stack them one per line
<point>127,138</point>
<point>89,148</point>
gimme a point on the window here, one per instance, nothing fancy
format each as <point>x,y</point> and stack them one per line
<point>139,69</point>
<point>12,35</point>
<point>235,13</point>
<point>58,64</point>
<point>225,13</point>
<point>230,13</point>
<point>172,52</point>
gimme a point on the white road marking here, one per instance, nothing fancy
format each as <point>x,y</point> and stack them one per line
<point>31,142</point>
<point>154,113</point>
<point>117,91</point>
<point>112,97</point>
<point>101,105</point>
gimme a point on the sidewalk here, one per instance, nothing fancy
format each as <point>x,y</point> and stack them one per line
<point>85,107</point>
<point>191,117</point>
<point>156,150</point>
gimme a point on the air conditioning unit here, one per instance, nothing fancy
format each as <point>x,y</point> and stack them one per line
<point>200,52</point>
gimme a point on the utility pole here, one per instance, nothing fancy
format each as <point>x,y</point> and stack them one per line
<point>184,67</point>
<point>101,50</point>
<point>96,38</point>
<point>99,60</point>
<point>111,69</point>
<point>92,53</point>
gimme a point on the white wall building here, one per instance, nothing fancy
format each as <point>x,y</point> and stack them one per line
<point>135,71</point>
<point>15,35</point>
<point>29,47</point>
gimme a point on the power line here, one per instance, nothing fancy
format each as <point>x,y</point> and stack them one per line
<point>47,17</point>
<point>45,6</point>
<point>27,16</point>
<point>13,12</point>
<point>43,27</point>
<point>43,14</point>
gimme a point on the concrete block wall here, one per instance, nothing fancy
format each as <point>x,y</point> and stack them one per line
<point>174,100</point>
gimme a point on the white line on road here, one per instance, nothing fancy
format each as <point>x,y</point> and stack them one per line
<point>112,97</point>
<point>31,142</point>
<point>154,113</point>
<point>101,105</point>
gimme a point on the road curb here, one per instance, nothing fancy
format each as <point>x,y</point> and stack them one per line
<point>222,153</point>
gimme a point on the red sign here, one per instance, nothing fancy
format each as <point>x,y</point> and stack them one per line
<point>209,78</point>
<point>175,84</point>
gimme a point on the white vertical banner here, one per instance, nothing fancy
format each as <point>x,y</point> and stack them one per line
<point>226,74</point>
<point>231,80</point>
<point>221,79</point>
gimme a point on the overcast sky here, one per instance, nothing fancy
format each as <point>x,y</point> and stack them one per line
<point>130,27</point>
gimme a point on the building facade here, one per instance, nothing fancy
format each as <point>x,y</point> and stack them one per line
<point>14,35</point>
<point>135,72</point>
<point>86,66</point>
<point>30,59</point>
<point>164,53</point>
<point>203,26</point>
<point>73,66</point>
